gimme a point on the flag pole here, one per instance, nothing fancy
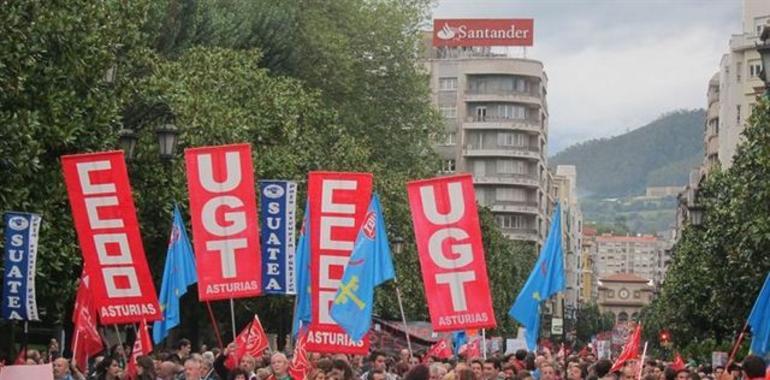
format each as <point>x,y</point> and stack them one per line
<point>26,339</point>
<point>737,344</point>
<point>120,342</point>
<point>403,319</point>
<point>214,325</point>
<point>232,316</point>
<point>641,363</point>
<point>484,343</point>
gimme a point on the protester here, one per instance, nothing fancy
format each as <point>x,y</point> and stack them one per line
<point>145,368</point>
<point>753,368</point>
<point>378,360</point>
<point>490,369</point>
<point>192,369</point>
<point>183,349</point>
<point>280,366</point>
<point>61,369</point>
<point>109,369</point>
<point>167,370</point>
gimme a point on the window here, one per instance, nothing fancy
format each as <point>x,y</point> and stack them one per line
<point>754,69</point>
<point>738,71</point>
<point>511,167</point>
<point>448,166</point>
<point>610,294</point>
<point>449,112</point>
<point>511,111</point>
<point>450,138</point>
<point>512,139</point>
<point>510,194</point>
<point>510,221</point>
<point>447,84</point>
<point>738,114</point>
<point>637,294</point>
<point>481,114</point>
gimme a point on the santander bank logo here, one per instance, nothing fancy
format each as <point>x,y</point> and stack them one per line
<point>482,32</point>
<point>446,32</point>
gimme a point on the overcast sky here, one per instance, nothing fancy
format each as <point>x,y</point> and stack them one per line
<point>615,65</point>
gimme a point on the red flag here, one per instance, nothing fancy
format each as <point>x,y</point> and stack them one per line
<point>631,349</point>
<point>86,340</point>
<point>142,346</point>
<point>104,216</point>
<point>223,213</point>
<point>440,350</point>
<point>448,237</point>
<point>338,207</point>
<point>300,366</point>
<point>473,349</point>
<point>252,340</point>
<point>678,362</point>
<point>21,358</point>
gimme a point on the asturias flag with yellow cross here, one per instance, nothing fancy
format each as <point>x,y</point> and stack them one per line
<point>546,279</point>
<point>370,265</point>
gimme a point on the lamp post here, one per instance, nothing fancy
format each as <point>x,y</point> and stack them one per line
<point>140,115</point>
<point>398,244</point>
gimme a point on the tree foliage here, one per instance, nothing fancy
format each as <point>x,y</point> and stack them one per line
<point>719,267</point>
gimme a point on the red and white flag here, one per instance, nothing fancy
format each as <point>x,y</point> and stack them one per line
<point>338,206</point>
<point>678,362</point>
<point>86,341</point>
<point>630,350</point>
<point>142,347</point>
<point>448,237</point>
<point>473,349</point>
<point>300,365</point>
<point>223,214</point>
<point>252,340</point>
<point>440,350</point>
<point>105,219</point>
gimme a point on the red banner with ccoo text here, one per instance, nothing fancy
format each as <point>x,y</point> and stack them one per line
<point>223,209</point>
<point>338,205</point>
<point>448,237</point>
<point>105,220</point>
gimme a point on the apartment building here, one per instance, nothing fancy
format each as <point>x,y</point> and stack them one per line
<point>711,127</point>
<point>627,254</point>
<point>564,189</point>
<point>589,291</point>
<point>496,127</point>
<point>739,82</point>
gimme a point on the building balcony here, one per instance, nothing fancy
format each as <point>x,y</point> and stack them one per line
<point>495,123</point>
<point>507,179</point>
<point>521,234</point>
<point>712,146</point>
<point>529,152</point>
<point>502,96</point>
<point>515,207</point>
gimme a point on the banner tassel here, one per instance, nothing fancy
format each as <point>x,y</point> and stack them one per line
<point>403,319</point>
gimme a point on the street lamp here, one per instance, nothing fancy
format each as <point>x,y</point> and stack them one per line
<point>696,215</point>
<point>140,115</point>
<point>398,244</point>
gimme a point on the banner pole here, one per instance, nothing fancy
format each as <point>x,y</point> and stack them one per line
<point>484,343</point>
<point>26,338</point>
<point>120,342</point>
<point>641,364</point>
<point>232,316</point>
<point>214,325</point>
<point>403,319</point>
<point>737,344</point>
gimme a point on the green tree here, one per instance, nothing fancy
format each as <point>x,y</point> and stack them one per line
<point>590,321</point>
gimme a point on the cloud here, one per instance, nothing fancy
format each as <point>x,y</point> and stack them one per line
<point>617,65</point>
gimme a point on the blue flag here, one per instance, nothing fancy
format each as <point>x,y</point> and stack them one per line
<point>370,265</point>
<point>459,338</point>
<point>178,274</point>
<point>302,313</point>
<point>546,279</point>
<point>759,320</point>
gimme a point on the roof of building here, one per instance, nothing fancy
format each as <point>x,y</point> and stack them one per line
<point>589,231</point>
<point>624,277</point>
<point>626,239</point>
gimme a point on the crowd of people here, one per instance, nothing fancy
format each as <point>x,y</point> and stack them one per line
<point>183,363</point>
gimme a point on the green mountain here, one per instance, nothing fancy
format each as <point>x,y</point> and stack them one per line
<point>660,153</point>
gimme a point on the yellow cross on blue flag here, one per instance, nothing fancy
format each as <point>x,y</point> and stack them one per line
<point>302,311</point>
<point>178,274</point>
<point>370,265</point>
<point>546,279</point>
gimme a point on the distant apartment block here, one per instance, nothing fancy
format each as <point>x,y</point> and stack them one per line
<point>496,127</point>
<point>646,256</point>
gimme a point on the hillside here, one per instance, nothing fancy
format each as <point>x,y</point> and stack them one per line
<point>659,153</point>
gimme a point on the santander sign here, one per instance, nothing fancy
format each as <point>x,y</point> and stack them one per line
<point>482,32</point>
